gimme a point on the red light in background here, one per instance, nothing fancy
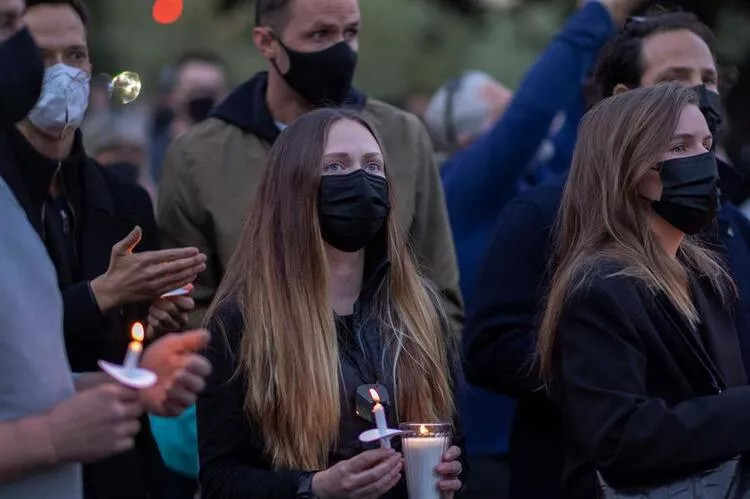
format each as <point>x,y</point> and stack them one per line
<point>167,11</point>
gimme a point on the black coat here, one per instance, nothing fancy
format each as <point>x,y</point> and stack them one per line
<point>233,462</point>
<point>106,210</point>
<point>500,334</point>
<point>646,397</point>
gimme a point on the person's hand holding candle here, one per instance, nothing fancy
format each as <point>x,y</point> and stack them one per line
<point>450,469</point>
<point>169,314</point>
<point>368,475</point>
<point>181,372</point>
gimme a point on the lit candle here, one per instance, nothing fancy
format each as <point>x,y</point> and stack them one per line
<point>379,412</point>
<point>423,451</point>
<point>135,348</point>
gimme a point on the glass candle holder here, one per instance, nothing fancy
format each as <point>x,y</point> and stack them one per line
<point>423,449</point>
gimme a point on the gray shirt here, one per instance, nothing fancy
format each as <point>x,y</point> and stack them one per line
<point>34,371</point>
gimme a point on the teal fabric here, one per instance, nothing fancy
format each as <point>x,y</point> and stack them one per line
<point>177,439</point>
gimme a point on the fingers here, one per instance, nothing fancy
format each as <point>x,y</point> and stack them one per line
<point>385,482</point>
<point>166,283</point>
<point>182,303</point>
<point>453,485</point>
<point>369,458</point>
<point>197,365</point>
<point>452,454</point>
<point>128,429</point>
<point>168,255</point>
<point>370,476</point>
<point>129,243</point>
<point>194,341</point>
<point>170,314</point>
<point>451,469</point>
<point>191,382</point>
<point>158,270</point>
<point>124,444</point>
<point>162,320</point>
<point>118,392</point>
<point>178,400</point>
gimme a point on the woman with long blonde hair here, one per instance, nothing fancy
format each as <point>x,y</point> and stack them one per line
<point>637,340</point>
<point>321,301</point>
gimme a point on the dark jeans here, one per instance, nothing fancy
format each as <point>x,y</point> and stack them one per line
<point>488,477</point>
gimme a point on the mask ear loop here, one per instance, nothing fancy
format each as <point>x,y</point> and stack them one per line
<point>277,39</point>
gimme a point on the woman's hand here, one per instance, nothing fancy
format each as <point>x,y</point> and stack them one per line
<point>366,476</point>
<point>449,471</point>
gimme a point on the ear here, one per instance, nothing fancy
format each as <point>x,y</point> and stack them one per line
<point>264,42</point>
<point>619,89</point>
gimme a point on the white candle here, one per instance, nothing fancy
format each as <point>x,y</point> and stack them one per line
<point>135,348</point>
<point>422,454</point>
<point>380,422</point>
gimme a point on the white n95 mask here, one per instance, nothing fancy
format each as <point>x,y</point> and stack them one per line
<point>63,102</point>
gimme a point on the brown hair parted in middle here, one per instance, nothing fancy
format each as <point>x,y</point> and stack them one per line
<point>603,217</point>
<point>289,353</point>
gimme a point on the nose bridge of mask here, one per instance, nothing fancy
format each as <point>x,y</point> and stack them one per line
<point>680,171</point>
<point>359,191</point>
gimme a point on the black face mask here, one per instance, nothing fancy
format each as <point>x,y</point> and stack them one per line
<point>323,78</point>
<point>690,192</point>
<point>712,108</point>
<point>200,107</point>
<point>352,209</point>
<point>22,70</point>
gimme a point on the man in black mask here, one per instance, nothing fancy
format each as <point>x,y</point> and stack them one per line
<point>501,331</point>
<point>199,83</point>
<point>211,173</point>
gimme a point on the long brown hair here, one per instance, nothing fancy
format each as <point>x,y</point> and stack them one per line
<point>289,352</point>
<point>602,216</point>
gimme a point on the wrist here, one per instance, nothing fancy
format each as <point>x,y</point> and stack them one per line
<point>316,489</point>
<point>102,295</point>
<point>40,436</point>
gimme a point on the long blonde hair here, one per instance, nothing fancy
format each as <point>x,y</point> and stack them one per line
<point>289,352</point>
<point>602,216</point>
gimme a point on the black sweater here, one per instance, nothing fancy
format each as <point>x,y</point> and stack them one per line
<point>646,398</point>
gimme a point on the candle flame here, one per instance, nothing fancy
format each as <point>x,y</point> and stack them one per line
<point>423,430</point>
<point>137,332</point>
<point>374,395</point>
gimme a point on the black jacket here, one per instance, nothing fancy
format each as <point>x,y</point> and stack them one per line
<point>646,397</point>
<point>233,463</point>
<point>500,335</point>
<point>105,211</point>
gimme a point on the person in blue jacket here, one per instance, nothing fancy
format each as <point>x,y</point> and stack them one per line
<point>500,336</point>
<point>490,170</point>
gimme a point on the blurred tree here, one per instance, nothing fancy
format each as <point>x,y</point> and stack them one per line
<point>406,45</point>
